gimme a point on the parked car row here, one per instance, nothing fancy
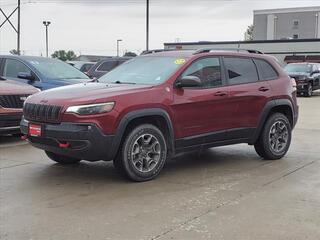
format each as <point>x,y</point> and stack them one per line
<point>159,104</point>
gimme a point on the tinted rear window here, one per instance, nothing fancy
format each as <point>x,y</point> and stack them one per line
<point>265,70</point>
<point>240,70</point>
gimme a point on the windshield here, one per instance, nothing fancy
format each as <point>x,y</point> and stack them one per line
<point>298,68</point>
<point>144,70</point>
<point>56,69</point>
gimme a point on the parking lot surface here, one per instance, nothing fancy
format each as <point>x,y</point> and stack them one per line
<point>222,193</point>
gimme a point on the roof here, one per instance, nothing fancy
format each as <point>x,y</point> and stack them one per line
<point>91,58</point>
<point>214,52</point>
<point>23,57</point>
<point>243,42</point>
<point>288,10</point>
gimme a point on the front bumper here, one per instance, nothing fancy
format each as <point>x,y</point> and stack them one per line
<point>83,141</point>
<point>10,123</point>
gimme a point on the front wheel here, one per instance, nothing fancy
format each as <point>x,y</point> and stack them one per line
<point>309,90</point>
<point>142,154</point>
<point>275,138</point>
<point>62,159</point>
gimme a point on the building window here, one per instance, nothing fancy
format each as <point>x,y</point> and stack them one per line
<point>295,24</point>
<point>295,36</point>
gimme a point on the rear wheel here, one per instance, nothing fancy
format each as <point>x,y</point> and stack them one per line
<point>62,159</point>
<point>142,154</point>
<point>275,138</point>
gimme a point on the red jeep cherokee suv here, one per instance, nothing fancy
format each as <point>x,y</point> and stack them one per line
<point>156,105</point>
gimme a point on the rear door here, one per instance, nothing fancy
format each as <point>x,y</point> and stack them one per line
<point>247,92</point>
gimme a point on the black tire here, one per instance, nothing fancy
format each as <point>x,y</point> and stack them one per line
<point>266,143</point>
<point>135,143</point>
<point>309,90</point>
<point>62,159</point>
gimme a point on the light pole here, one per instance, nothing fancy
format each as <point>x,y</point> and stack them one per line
<point>46,24</point>
<point>118,41</point>
<point>147,25</point>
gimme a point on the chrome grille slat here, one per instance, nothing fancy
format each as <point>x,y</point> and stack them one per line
<point>41,112</point>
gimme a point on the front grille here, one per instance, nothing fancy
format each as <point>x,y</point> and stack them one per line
<point>12,101</point>
<point>41,112</point>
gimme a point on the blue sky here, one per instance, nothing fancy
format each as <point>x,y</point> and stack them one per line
<point>92,27</point>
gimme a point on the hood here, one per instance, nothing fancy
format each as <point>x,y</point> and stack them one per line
<point>9,87</point>
<point>64,82</point>
<point>298,75</point>
<point>85,93</point>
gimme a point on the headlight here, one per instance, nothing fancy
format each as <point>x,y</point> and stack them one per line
<point>91,108</point>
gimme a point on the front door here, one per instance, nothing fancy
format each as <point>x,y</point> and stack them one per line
<point>202,114</point>
<point>12,68</point>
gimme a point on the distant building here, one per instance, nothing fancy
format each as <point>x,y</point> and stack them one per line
<point>90,58</point>
<point>287,23</point>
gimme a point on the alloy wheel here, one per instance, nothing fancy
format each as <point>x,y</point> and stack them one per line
<point>145,153</point>
<point>278,136</point>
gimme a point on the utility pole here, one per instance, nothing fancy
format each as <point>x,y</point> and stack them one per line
<point>7,19</point>
<point>147,26</point>
<point>46,24</point>
<point>118,41</point>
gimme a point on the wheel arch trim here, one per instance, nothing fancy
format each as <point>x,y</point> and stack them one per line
<point>266,111</point>
<point>130,116</point>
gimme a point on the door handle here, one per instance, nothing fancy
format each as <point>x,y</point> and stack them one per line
<point>263,89</point>
<point>221,94</point>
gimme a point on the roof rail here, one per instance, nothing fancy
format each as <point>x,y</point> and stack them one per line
<point>206,50</point>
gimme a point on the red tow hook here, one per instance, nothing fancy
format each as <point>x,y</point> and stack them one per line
<point>64,145</point>
<point>24,137</point>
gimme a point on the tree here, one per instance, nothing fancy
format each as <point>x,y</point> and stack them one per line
<point>130,54</point>
<point>249,33</point>
<point>63,55</point>
<point>14,52</point>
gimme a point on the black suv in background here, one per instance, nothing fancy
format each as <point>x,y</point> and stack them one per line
<point>106,65</point>
<point>307,76</point>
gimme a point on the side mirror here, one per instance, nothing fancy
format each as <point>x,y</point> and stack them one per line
<point>315,72</point>
<point>26,75</point>
<point>188,81</point>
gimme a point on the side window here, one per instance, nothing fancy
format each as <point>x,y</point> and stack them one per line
<point>208,70</point>
<point>107,66</point>
<point>265,70</point>
<point>13,67</point>
<point>240,70</point>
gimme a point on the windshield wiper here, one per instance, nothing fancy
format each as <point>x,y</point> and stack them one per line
<point>119,82</point>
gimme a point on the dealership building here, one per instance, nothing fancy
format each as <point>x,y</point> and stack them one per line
<point>291,34</point>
